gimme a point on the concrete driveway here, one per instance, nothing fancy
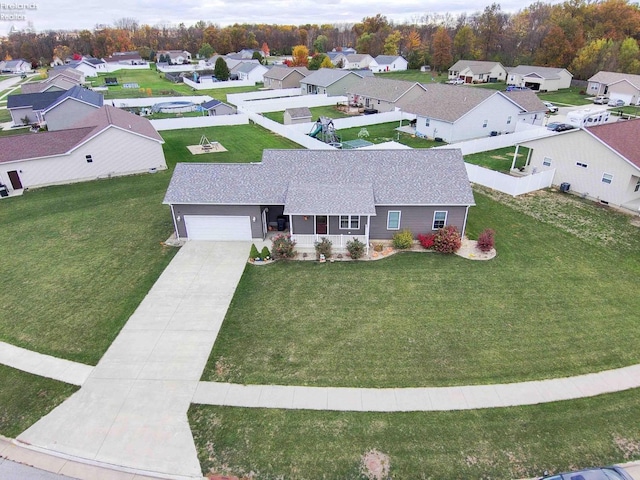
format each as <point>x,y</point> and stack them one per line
<point>132,410</point>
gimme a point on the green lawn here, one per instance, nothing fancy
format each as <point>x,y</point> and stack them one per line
<point>567,96</point>
<point>5,115</point>
<point>500,443</point>
<point>384,132</point>
<point>25,398</point>
<point>500,159</point>
<point>415,76</point>
<point>549,305</point>
<point>329,111</point>
<point>78,259</point>
<point>490,86</point>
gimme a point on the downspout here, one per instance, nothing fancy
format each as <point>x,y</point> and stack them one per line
<point>175,225</point>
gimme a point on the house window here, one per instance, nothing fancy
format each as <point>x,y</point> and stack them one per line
<point>349,222</point>
<point>637,189</point>
<point>580,164</point>
<point>546,162</point>
<point>439,220</point>
<point>508,119</point>
<point>89,159</point>
<point>393,220</point>
<point>607,178</point>
<point>484,124</point>
<point>426,122</point>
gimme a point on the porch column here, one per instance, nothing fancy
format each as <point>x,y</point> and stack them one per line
<point>515,156</point>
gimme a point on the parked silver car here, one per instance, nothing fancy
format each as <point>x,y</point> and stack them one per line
<point>603,473</point>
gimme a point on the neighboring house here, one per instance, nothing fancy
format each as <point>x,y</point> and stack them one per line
<point>297,115</point>
<point>109,142</point>
<point>176,57</point>
<point>216,107</point>
<point>88,66</point>
<point>455,113</point>
<point>284,77</point>
<point>357,61</point>
<point>125,58</point>
<point>245,54</point>
<point>472,71</point>
<point>388,63</point>
<point>15,66</point>
<point>337,58</point>
<point>617,86</point>
<point>331,82</point>
<point>250,71</point>
<point>384,94</point>
<point>59,83</point>
<point>71,107</point>
<point>601,163</point>
<point>26,108</point>
<point>543,79</point>
<point>338,194</point>
<point>343,50</point>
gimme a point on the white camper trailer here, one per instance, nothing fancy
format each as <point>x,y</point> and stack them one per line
<point>588,117</point>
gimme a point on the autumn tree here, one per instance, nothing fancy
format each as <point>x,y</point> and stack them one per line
<point>490,26</point>
<point>392,43</point>
<point>464,44</point>
<point>316,61</point>
<point>320,44</point>
<point>629,56</point>
<point>265,49</point>
<point>300,54</point>
<point>205,51</point>
<point>221,70</point>
<point>555,50</point>
<point>593,57</point>
<point>441,50</point>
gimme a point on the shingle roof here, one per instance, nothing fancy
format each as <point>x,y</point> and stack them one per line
<point>44,144</point>
<point>621,137</point>
<point>211,103</point>
<point>325,77</point>
<point>78,93</point>
<point>549,73</point>
<point>37,101</point>
<point>385,89</point>
<point>447,102</point>
<point>607,78</point>
<point>386,59</point>
<point>330,199</point>
<point>396,177</point>
<point>299,112</point>
<point>475,65</point>
<point>357,57</point>
<point>526,99</point>
<point>280,73</point>
<point>247,67</point>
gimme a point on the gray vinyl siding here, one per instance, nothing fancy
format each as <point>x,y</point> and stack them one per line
<point>17,114</point>
<point>301,226</point>
<point>334,227</point>
<point>67,114</point>
<point>229,210</point>
<point>417,219</point>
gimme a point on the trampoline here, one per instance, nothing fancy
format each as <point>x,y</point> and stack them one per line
<point>351,144</point>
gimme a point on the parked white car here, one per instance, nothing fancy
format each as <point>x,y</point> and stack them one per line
<point>601,100</point>
<point>456,81</point>
<point>551,108</point>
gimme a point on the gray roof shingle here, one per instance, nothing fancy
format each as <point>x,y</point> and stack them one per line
<point>395,177</point>
<point>607,78</point>
<point>299,112</point>
<point>476,66</point>
<point>385,89</point>
<point>447,102</point>
<point>325,77</point>
<point>37,101</point>
<point>280,73</point>
<point>549,73</point>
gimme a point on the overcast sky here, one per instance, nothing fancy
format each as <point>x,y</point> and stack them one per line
<point>69,15</point>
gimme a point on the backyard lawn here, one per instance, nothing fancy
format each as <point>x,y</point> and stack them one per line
<point>329,111</point>
<point>79,258</point>
<point>567,96</point>
<point>549,305</point>
<point>414,76</point>
<point>385,132</point>
<point>500,159</point>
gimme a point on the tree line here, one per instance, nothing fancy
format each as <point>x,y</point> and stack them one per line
<point>581,35</point>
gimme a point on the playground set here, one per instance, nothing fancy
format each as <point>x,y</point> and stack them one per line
<point>205,146</point>
<point>325,131</point>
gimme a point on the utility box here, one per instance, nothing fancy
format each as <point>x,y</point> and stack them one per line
<point>565,187</point>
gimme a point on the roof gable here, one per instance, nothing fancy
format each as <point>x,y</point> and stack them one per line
<point>608,78</point>
<point>385,89</point>
<point>447,102</point>
<point>548,73</point>
<point>80,94</point>
<point>621,137</point>
<point>37,101</point>
<point>325,77</point>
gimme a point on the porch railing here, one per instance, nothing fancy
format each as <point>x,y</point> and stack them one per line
<point>337,241</point>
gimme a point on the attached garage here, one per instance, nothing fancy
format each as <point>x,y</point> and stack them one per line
<point>218,227</point>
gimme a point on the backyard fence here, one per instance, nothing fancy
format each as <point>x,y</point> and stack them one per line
<point>208,84</point>
<point>150,101</point>
<point>278,102</point>
<point>506,183</point>
<point>199,122</point>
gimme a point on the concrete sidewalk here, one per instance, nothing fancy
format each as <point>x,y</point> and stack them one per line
<point>417,399</point>
<point>132,410</point>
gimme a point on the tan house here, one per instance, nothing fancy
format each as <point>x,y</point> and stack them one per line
<point>543,79</point>
<point>384,95</point>
<point>357,61</point>
<point>278,77</point>
<point>109,142</point>
<point>601,163</point>
<point>475,71</point>
<point>617,86</point>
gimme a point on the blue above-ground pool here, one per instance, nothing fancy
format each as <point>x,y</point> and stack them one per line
<point>173,107</point>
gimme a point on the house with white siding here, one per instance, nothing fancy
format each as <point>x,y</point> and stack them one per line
<point>475,71</point>
<point>108,142</point>
<point>357,61</point>
<point>388,63</point>
<point>384,94</point>
<point>601,163</point>
<point>543,79</point>
<point>331,82</point>
<point>457,113</point>
<point>71,107</point>
<point>17,66</point>
<point>249,71</point>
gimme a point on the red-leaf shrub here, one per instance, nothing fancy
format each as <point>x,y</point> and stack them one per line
<point>447,240</point>
<point>486,241</point>
<point>426,240</point>
<point>283,246</point>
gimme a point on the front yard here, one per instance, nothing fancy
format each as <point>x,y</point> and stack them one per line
<point>549,305</point>
<point>499,160</point>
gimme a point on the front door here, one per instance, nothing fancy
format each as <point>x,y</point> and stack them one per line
<point>321,225</point>
<point>14,178</point>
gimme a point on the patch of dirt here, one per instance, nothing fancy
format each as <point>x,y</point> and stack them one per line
<point>375,465</point>
<point>469,249</point>
<point>629,447</point>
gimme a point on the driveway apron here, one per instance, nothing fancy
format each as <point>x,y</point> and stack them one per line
<point>132,410</point>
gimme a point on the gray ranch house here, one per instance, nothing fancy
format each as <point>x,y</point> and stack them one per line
<point>384,94</point>
<point>340,195</point>
<point>284,77</point>
<point>476,71</point>
<point>331,82</point>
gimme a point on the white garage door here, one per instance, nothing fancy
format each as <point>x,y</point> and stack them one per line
<point>215,227</point>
